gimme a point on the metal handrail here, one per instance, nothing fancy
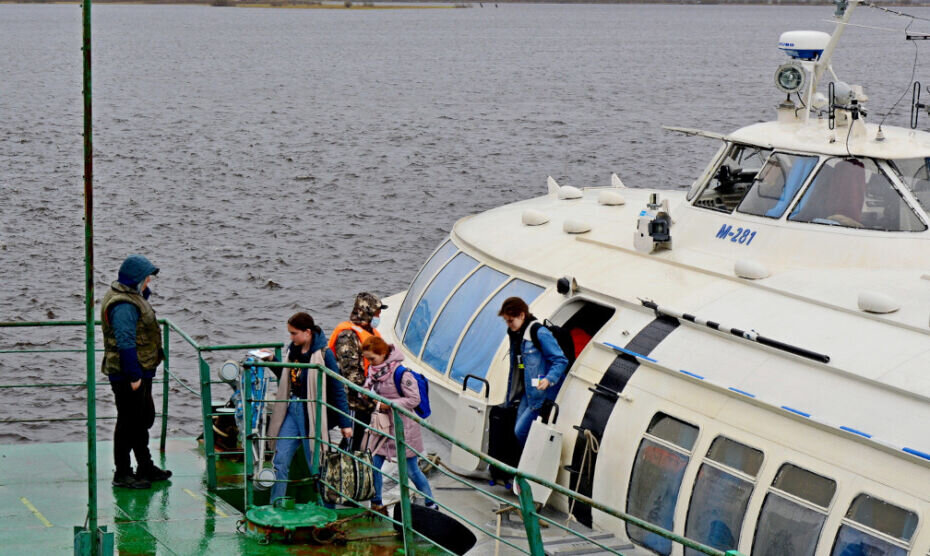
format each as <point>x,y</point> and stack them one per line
<point>527,506</point>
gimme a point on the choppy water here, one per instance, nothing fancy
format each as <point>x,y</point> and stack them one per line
<point>271,161</point>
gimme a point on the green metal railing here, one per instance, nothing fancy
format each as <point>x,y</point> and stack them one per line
<point>527,508</point>
<point>90,544</point>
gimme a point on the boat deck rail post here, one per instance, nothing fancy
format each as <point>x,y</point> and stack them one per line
<point>168,327</point>
<point>530,515</point>
<point>206,389</point>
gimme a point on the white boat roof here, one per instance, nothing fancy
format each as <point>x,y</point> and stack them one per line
<point>876,380</point>
<point>816,137</point>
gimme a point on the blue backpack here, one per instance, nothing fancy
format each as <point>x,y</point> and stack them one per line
<point>423,410</point>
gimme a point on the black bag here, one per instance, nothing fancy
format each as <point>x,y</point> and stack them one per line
<point>353,479</point>
<point>562,336</point>
<point>502,442</point>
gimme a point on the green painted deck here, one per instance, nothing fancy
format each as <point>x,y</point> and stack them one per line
<point>43,495</point>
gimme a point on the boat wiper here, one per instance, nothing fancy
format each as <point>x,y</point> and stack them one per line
<point>695,132</point>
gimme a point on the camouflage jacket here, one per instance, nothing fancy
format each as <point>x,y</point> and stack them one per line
<point>348,352</point>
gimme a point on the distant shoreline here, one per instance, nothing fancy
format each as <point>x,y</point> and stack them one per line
<point>414,4</point>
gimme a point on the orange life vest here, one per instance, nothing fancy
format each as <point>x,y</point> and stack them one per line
<point>359,331</point>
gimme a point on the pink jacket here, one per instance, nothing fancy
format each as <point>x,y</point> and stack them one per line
<point>381,380</point>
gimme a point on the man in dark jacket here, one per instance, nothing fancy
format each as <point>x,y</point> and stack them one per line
<point>132,352</point>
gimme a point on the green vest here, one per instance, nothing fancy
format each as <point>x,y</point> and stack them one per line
<point>148,334</point>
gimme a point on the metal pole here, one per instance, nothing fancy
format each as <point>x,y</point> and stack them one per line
<point>89,284</point>
<point>318,431</point>
<point>530,520</point>
<point>206,407</point>
<point>246,390</point>
<point>166,372</point>
<point>401,447</point>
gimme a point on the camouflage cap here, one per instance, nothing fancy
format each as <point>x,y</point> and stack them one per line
<point>366,306</point>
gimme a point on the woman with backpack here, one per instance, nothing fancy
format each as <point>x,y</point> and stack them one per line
<point>385,364</point>
<point>537,365</point>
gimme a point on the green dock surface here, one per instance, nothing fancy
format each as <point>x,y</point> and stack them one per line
<point>43,495</point>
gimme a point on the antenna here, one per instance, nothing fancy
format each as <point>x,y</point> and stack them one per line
<point>916,106</point>
<point>831,93</point>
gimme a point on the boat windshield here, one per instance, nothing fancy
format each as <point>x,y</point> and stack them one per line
<point>732,178</point>
<point>776,184</point>
<point>855,193</point>
<point>915,173</point>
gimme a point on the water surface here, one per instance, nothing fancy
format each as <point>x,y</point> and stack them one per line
<point>273,160</point>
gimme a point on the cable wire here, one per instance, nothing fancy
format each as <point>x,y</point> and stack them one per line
<point>894,12</point>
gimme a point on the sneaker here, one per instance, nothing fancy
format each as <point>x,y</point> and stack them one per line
<point>128,480</point>
<point>432,506</point>
<point>153,474</point>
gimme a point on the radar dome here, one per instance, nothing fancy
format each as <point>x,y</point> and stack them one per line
<point>803,45</point>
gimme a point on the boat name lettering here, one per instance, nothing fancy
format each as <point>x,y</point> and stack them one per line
<point>743,236</point>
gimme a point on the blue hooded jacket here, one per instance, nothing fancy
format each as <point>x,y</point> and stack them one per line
<point>125,316</point>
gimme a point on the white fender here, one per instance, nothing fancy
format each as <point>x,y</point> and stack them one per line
<point>533,217</point>
<point>877,302</point>
<point>572,226</point>
<point>569,192</point>
<point>610,198</point>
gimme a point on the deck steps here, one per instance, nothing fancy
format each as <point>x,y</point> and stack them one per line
<point>570,545</point>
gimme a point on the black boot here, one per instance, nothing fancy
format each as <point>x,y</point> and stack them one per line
<point>153,474</point>
<point>128,480</point>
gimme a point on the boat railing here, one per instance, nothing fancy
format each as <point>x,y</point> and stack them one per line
<point>525,507</point>
<point>168,373</point>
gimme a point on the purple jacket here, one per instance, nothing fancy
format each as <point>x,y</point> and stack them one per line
<point>381,380</point>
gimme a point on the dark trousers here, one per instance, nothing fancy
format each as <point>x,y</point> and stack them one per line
<point>358,432</point>
<point>135,415</point>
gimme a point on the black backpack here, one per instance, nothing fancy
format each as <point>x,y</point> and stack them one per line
<point>562,336</point>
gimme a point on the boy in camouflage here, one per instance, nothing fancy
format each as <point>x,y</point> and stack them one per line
<point>346,343</point>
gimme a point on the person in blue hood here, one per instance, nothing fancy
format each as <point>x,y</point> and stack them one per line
<point>132,352</point>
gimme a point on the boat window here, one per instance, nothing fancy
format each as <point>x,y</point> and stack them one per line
<point>433,298</point>
<point>806,485</point>
<point>439,258</point>
<point>855,193</point>
<point>915,173</point>
<point>656,478</point>
<point>720,496</point>
<point>732,178</point>
<point>696,186</point>
<point>455,315</point>
<point>486,333</point>
<point>867,515</point>
<point>776,184</point>
<point>787,525</point>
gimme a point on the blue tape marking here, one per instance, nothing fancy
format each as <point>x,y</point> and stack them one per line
<point>743,393</point>
<point>628,352</point>
<point>854,431</point>
<point>793,410</point>
<point>917,453</point>
<point>691,374</point>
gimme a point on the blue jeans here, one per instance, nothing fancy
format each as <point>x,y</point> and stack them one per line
<point>294,425</point>
<point>413,471</point>
<point>525,418</point>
